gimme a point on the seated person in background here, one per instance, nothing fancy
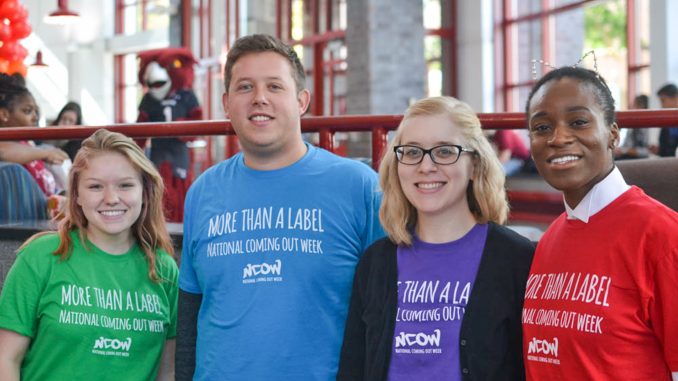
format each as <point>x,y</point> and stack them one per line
<point>18,109</point>
<point>511,150</point>
<point>636,143</point>
<point>668,137</point>
<point>70,115</point>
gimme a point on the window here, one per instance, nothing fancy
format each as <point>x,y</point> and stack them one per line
<point>561,32</point>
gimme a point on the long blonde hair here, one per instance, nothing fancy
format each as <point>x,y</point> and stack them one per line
<point>486,195</point>
<point>149,230</point>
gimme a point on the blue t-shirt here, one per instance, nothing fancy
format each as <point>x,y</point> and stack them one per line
<point>434,285</point>
<point>273,254</point>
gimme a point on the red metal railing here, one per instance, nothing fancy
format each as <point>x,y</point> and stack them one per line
<point>326,126</point>
<point>539,207</point>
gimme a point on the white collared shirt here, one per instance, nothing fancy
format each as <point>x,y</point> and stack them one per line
<point>600,196</point>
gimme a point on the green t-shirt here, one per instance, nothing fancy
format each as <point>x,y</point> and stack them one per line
<point>95,316</point>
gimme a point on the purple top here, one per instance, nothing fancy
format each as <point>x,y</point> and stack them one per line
<point>434,285</point>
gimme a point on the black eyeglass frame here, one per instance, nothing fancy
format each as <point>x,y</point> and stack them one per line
<point>429,151</point>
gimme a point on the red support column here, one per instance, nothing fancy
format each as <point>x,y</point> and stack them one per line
<point>508,61</point>
<point>330,83</point>
<point>379,142</point>
<point>119,66</point>
<point>545,33</point>
<point>318,79</point>
<point>452,61</point>
<point>186,23</point>
<point>327,139</point>
<point>237,18</point>
<point>278,19</point>
<point>631,52</point>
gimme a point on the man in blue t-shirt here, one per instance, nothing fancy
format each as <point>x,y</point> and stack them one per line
<point>668,137</point>
<point>271,236</point>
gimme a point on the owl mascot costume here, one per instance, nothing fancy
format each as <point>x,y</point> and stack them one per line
<point>168,75</point>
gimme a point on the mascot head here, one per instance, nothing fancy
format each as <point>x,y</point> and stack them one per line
<point>164,71</point>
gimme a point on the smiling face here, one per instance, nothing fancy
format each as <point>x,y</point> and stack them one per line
<point>265,107</point>
<point>23,113</point>
<point>110,194</point>
<point>570,141</point>
<point>435,190</point>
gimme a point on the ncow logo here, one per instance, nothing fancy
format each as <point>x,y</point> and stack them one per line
<point>420,339</point>
<point>251,270</point>
<point>543,346</point>
<point>115,344</point>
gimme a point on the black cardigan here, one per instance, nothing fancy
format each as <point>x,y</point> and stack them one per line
<point>490,341</point>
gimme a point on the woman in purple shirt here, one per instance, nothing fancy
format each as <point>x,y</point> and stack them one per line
<point>440,298</point>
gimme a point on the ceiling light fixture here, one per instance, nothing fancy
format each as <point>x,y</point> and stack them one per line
<point>63,15</point>
<point>39,63</point>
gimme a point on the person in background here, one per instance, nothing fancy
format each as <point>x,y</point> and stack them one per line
<point>97,299</point>
<point>168,75</point>
<point>18,109</point>
<point>668,137</point>
<point>70,115</point>
<point>441,297</point>
<point>601,296</point>
<point>511,150</point>
<point>636,143</point>
<point>266,270</point>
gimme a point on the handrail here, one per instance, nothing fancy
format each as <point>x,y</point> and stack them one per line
<point>346,123</point>
<point>378,125</point>
<point>327,126</point>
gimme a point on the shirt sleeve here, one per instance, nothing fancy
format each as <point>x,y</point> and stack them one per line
<point>188,280</point>
<point>172,291</point>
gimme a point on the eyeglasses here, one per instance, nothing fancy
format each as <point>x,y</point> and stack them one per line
<point>443,155</point>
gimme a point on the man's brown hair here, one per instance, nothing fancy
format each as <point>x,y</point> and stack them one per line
<point>259,43</point>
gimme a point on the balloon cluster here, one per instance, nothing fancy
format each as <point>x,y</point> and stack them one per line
<point>14,26</point>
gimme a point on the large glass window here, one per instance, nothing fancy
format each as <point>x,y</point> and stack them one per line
<point>560,32</point>
<point>141,15</point>
<point>439,47</point>
<point>133,17</point>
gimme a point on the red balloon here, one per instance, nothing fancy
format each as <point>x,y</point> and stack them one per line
<point>21,52</point>
<point>4,64</point>
<point>21,14</point>
<point>21,29</point>
<point>8,9</point>
<point>17,67</point>
<point>9,50</point>
<point>5,32</point>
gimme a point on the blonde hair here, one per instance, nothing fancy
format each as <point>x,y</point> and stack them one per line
<point>149,230</point>
<point>486,194</point>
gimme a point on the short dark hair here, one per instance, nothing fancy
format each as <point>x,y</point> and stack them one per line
<point>642,101</point>
<point>602,92</point>
<point>259,43</point>
<point>669,90</point>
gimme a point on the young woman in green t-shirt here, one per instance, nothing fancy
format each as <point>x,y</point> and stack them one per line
<point>97,299</point>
